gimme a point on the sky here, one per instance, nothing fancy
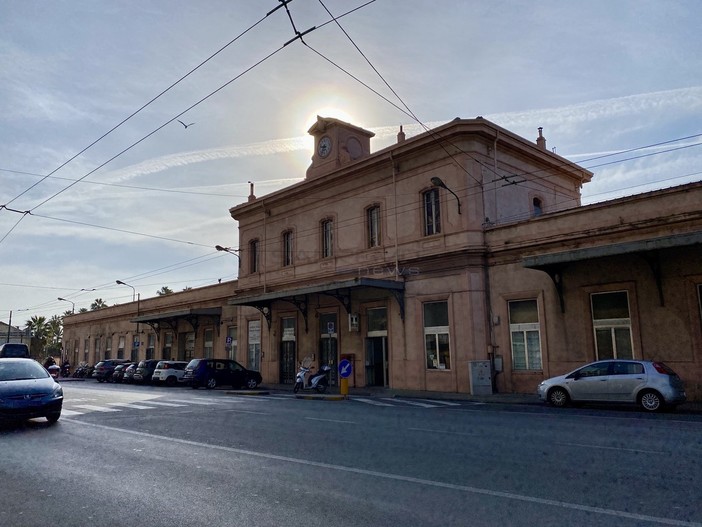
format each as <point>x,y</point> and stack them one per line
<point>100,182</point>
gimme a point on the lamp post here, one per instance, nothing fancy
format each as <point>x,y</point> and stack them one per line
<point>230,251</point>
<point>73,304</point>
<point>137,339</point>
<point>133,290</point>
<point>9,327</point>
<point>437,182</point>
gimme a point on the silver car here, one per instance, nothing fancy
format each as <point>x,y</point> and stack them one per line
<point>650,384</point>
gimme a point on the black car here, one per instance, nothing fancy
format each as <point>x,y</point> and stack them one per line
<point>28,391</point>
<point>211,373</point>
<point>120,370</point>
<point>104,369</point>
<point>14,349</point>
<point>145,370</point>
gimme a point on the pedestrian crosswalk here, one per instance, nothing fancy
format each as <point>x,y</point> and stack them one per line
<point>84,405</point>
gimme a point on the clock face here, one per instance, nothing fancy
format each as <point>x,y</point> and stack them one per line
<point>324,146</point>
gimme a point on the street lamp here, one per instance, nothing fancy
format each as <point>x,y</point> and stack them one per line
<point>133,290</point>
<point>437,182</point>
<point>136,343</point>
<point>73,304</point>
<point>228,250</point>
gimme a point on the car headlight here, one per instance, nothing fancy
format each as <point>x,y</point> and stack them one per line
<point>58,392</point>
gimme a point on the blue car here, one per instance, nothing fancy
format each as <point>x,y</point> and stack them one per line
<point>28,391</point>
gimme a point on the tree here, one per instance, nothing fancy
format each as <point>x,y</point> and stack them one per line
<point>38,329</point>
<point>54,335</point>
<point>188,288</point>
<point>66,313</point>
<point>165,290</point>
<point>83,310</point>
<point>98,304</point>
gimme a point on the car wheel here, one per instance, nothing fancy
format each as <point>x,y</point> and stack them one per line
<point>211,383</point>
<point>53,417</point>
<point>171,381</point>
<point>251,384</point>
<point>651,401</point>
<point>558,397</point>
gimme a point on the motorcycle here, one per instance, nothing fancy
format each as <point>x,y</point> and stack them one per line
<point>66,369</point>
<point>317,381</point>
<point>54,371</point>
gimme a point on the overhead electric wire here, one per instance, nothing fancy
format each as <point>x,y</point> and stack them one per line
<point>115,127</point>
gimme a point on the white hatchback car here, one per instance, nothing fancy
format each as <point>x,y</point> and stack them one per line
<point>169,372</point>
<point>650,384</point>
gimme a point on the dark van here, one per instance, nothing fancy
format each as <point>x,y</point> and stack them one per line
<point>211,373</point>
<point>14,349</point>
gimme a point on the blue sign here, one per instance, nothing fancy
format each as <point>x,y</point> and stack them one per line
<point>345,368</point>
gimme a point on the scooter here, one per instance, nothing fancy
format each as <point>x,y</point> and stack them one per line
<point>318,381</point>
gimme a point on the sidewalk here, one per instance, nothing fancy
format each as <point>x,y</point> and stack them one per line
<point>503,398</point>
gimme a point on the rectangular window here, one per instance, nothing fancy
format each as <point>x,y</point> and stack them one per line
<point>231,344</point>
<point>327,238</point>
<point>436,335</point>
<point>108,347</point>
<point>86,349</point>
<point>168,346</point>
<point>287,248</point>
<point>525,334</point>
<point>253,256</point>
<point>150,346</point>
<point>189,345</point>
<point>432,212</point>
<point>120,347</point>
<point>373,224</point>
<point>209,343</point>
<point>97,349</point>
<point>612,325</point>
<point>253,361</point>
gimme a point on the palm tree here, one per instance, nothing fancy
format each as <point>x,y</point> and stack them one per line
<point>98,304</point>
<point>67,313</point>
<point>165,290</point>
<point>54,334</point>
<point>37,328</point>
<point>83,310</point>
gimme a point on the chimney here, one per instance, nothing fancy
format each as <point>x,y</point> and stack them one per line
<point>400,135</point>
<point>541,140</point>
<point>252,197</point>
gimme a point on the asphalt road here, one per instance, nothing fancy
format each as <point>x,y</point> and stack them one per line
<point>152,456</point>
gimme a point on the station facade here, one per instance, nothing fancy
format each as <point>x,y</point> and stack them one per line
<point>458,260</point>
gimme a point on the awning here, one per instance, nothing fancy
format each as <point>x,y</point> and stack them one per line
<point>171,318</point>
<point>554,263</point>
<point>340,290</point>
<point>589,253</point>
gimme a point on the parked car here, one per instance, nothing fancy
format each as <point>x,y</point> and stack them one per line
<point>211,373</point>
<point>170,372</point>
<point>14,349</point>
<point>120,369</point>
<point>129,372</point>
<point>28,391</point>
<point>104,369</point>
<point>145,370</point>
<point>650,384</point>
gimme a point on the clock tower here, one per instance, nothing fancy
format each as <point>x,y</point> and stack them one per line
<point>336,144</point>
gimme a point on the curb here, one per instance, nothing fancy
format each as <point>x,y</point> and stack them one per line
<point>248,393</point>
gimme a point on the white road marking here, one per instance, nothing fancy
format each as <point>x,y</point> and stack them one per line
<point>131,405</point>
<point>407,479</point>
<point>615,448</point>
<point>194,401</point>
<point>411,403</point>
<point>434,401</point>
<point>331,420</point>
<point>159,403</point>
<point>97,408</point>
<point>65,412</point>
<point>370,401</point>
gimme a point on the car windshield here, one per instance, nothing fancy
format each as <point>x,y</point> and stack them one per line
<point>18,371</point>
<point>193,364</point>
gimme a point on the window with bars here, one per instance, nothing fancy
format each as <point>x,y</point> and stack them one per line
<point>373,225</point>
<point>287,248</point>
<point>525,333</point>
<point>611,321</point>
<point>327,238</point>
<point>432,212</point>
<point>209,343</point>
<point>150,346</point>
<point>120,347</point>
<point>108,347</point>
<point>436,335</point>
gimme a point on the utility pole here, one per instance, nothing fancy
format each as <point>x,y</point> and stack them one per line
<point>9,327</point>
